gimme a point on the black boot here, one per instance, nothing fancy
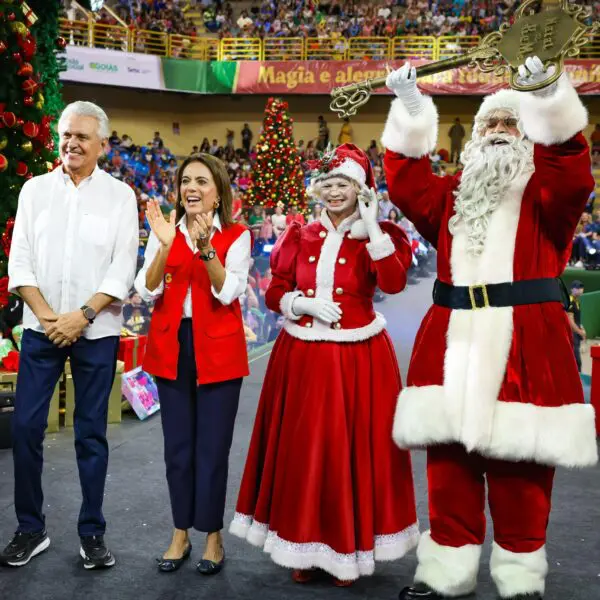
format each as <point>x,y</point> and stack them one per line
<point>420,591</point>
<point>532,596</point>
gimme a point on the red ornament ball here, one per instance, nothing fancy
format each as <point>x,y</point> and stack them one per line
<point>11,16</point>
<point>16,56</point>
<point>31,129</point>
<point>28,46</point>
<point>28,101</point>
<point>61,43</point>
<point>3,163</point>
<point>2,47</point>
<point>25,70</point>
<point>21,169</point>
<point>29,87</point>
<point>9,119</point>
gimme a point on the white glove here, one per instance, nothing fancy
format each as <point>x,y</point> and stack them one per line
<point>368,207</point>
<point>324,310</point>
<point>533,72</point>
<point>403,82</point>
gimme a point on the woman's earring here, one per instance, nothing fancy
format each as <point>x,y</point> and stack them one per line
<point>217,203</point>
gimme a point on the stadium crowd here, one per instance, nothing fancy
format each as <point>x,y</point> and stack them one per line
<point>307,18</point>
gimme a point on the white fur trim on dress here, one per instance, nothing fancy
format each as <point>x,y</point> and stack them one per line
<point>411,136</point>
<point>556,118</point>
<point>381,248</point>
<point>445,569</point>
<point>317,555</point>
<point>322,332</point>
<point>559,436</point>
<point>285,305</point>
<point>518,573</point>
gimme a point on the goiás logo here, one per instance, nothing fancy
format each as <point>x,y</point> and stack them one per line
<point>104,67</point>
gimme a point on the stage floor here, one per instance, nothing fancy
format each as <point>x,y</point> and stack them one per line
<point>139,520</point>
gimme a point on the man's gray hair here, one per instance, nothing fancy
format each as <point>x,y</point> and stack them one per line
<point>87,109</point>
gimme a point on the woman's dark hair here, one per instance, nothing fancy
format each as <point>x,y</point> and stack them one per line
<point>222,182</point>
<point>396,215</point>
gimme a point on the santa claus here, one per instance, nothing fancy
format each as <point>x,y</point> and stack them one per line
<point>493,391</point>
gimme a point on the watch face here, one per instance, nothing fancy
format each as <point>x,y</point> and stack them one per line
<point>89,313</point>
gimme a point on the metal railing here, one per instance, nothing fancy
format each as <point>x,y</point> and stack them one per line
<point>117,37</point>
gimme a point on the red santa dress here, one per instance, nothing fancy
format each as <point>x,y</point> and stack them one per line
<point>324,484</point>
<point>494,391</point>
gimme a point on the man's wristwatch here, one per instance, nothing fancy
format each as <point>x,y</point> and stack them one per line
<point>208,256</point>
<point>89,313</point>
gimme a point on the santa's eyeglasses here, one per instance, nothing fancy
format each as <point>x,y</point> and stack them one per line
<point>508,122</point>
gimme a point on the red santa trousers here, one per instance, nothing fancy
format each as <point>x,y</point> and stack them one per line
<point>324,484</point>
<point>519,499</point>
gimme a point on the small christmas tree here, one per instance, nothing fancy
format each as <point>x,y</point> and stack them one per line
<point>277,174</point>
<point>28,71</point>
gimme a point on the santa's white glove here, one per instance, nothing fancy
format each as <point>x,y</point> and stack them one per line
<point>368,207</point>
<point>533,72</point>
<point>403,82</point>
<point>324,310</point>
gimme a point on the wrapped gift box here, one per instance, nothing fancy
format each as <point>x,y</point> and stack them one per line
<point>132,350</point>
<point>8,382</point>
<point>595,393</point>
<point>141,392</point>
<point>114,401</point>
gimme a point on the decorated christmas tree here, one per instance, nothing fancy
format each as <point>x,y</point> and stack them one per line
<point>277,174</point>
<point>29,102</point>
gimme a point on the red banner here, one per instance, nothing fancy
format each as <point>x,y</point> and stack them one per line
<point>321,76</point>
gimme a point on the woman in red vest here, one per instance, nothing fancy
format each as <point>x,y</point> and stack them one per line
<point>196,267</point>
<point>324,486</point>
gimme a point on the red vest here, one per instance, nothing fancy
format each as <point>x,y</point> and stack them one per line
<point>219,339</point>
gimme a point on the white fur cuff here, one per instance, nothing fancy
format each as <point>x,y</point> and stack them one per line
<point>553,119</point>
<point>285,305</point>
<point>518,573</point>
<point>381,248</point>
<point>447,570</point>
<point>411,136</point>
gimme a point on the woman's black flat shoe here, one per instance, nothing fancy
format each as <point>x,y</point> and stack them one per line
<point>209,567</point>
<point>170,565</point>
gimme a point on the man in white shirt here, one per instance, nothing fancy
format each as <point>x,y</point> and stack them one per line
<point>72,260</point>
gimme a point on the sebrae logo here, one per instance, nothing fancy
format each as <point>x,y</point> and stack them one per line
<point>105,67</point>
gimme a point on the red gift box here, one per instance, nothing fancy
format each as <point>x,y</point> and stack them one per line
<point>595,393</point>
<point>132,350</point>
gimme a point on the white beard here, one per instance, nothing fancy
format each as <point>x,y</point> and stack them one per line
<point>489,172</point>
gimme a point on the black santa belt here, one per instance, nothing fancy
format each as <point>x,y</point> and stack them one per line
<point>512,293</point>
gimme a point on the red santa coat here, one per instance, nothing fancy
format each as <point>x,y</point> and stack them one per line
<point>501,381</point>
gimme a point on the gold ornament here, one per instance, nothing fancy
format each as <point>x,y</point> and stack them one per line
<point>27,146</point>
<point>19,28</point>
<point>40,101</point>
<point>3,142</point>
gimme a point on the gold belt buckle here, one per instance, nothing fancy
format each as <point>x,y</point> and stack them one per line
<point>486,300</point>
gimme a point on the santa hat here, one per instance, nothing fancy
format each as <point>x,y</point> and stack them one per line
<point>348,161</point>
<point>502,100</point>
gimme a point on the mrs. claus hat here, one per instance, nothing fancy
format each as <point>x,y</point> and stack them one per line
<point>346,160</point>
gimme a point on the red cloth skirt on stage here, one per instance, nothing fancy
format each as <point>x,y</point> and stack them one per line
<point>324,485</point>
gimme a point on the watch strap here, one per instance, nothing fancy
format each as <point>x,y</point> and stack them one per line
<point>208,256</point>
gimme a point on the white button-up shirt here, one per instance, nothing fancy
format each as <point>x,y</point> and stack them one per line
<point>237,265</point>
<point>73,242</point>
